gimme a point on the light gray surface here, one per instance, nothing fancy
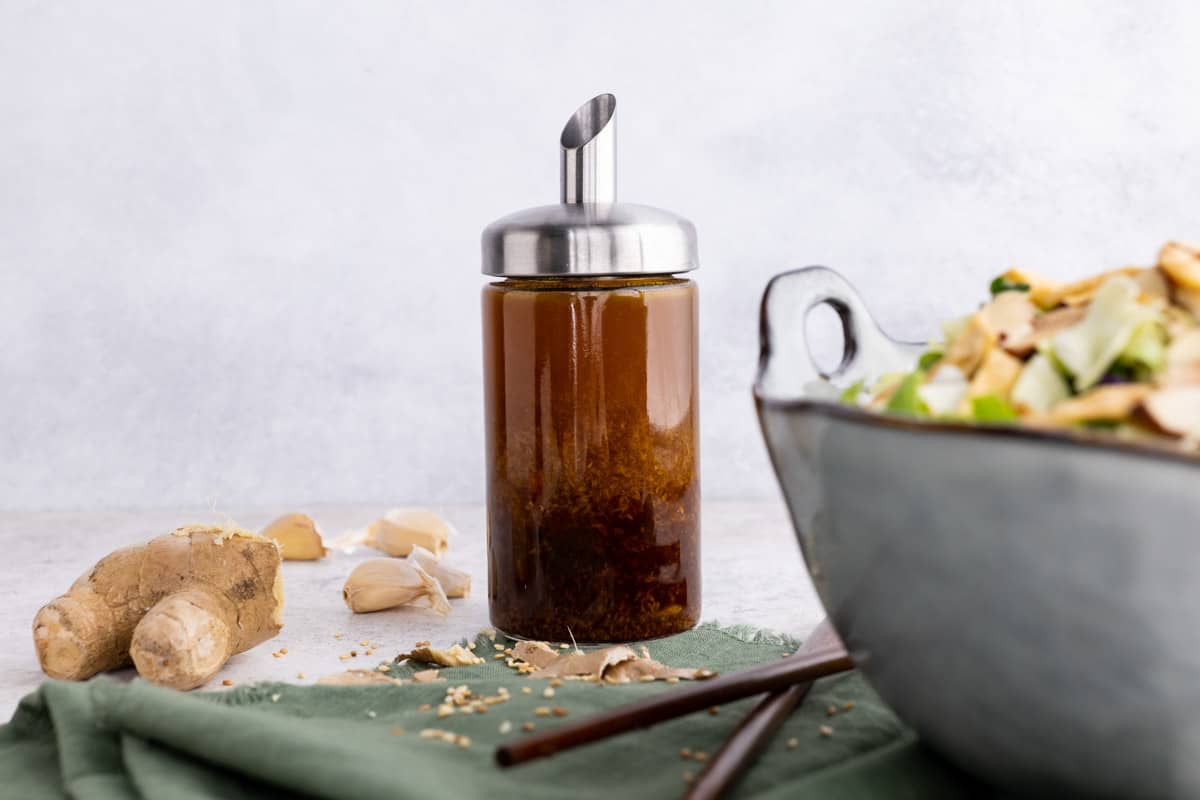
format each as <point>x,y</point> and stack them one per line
<point>752,574</point>
<point>239,242</point>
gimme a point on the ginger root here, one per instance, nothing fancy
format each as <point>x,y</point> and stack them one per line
<point>178,606</point>
<point>389,582</point>
<point>397,531</point>
<point>298,537</point>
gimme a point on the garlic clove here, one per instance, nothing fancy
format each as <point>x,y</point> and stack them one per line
<point>401,528</point>
<point>297,537</point>
<point>387,583</point>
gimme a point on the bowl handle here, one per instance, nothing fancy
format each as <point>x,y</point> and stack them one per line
<point>786,368</point>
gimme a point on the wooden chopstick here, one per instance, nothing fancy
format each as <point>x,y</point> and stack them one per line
<point>757,728</point>
<point>669,705</point>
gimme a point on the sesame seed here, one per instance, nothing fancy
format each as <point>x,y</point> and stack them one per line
<point>283,650</point>
<point>848,705</point>
<point>383,668</point>
<point>825,731</point>
<point>464,741</point>
<point>444,710</point>
<point>526,690</point>
<point>227,682</point>
<point>471,646</point>
<point>647,679</point>
<point>542,711</point>
<point>498,656</point>
<point>300,676</point>
<point>792,744</point>
<point>700,756</point>
<point>829,712</point>
<point>714,710</point>
<point>555,682</point>
<point>685,752</point>
<point>672,679</point>
<point>547,693</point>
<point>505,727</point>
<point>559,711</point>
<point>688,777</point>
<point>397,731</point>
<point>275,697</point>
<point>371,715</point>
<point>275,655</point>
<point>498,646</point>
<point>424,707</point>
<point>430,733</point>
<point>354,654</point>
<point>527,726</point>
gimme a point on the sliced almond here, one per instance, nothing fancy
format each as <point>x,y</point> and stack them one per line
<point>1175,410</point>
<point>1111,403</point>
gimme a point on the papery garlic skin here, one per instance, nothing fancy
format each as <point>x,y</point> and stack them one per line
<point>455,582</point>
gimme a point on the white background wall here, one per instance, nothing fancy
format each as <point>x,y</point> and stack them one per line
<point>239,240</point>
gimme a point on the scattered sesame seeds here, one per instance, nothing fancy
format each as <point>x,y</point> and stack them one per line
<point>672,679</point>
<point>275,697</point>
<point>283,651</point>
<point>397,731</point>
<point>829,712</point>
<point>700,756</point>
<point>527,726</point>
<point>371,715</point>
<point>227,682</point>
<point>338,635</point>
<point>792,744</point>
<point>559,711</point>
<point>498,656</point>
<point>505,727</point>
<point>685,753</point>
<point>688,776</point>
<point>825,731</point>
<point>564,646</point>
<point>471,646</point>
<point>300,676</point>
<point>647,679</point>
<point>555,682</point>
<point>464,741</point>
<point>354,654</point>
<point>384,668</point>
<point>548,693</point>
<point>364,643</point>
<point>526,690</point>
<point>276,655</point>
<point>498,646</point>
<point>444,710</point>
<point>542,711</point>
<point>714,710</point>
<point>424,707</point>
<point>784,655</point>
<point>848,705</point>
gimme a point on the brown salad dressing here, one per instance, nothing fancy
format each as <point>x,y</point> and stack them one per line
<point>591,401</point>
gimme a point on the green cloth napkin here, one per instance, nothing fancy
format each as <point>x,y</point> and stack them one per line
<point>104,740</point>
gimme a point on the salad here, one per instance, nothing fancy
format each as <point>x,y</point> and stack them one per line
<point>1119,351</point>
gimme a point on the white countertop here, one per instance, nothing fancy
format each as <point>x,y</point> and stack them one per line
<point>753,574</point>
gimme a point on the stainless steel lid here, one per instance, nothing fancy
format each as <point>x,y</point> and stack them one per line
<point>589,233</point>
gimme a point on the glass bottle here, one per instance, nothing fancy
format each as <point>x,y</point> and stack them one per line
<point>591,406</point>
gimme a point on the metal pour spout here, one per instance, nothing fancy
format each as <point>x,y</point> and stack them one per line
<point>589,153</point>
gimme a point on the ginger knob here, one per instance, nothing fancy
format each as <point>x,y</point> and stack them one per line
<point>178,606</point>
